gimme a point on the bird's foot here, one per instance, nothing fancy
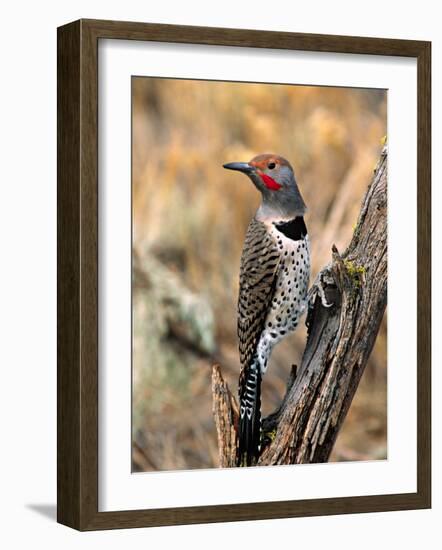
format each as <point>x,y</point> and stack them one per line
<point>318,289</point>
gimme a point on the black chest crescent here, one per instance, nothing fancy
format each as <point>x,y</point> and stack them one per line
<point>293,229</point>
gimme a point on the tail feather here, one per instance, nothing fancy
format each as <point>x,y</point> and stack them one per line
<point>250,418</point>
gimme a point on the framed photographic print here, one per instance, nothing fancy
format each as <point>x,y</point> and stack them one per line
<point>235,210</point>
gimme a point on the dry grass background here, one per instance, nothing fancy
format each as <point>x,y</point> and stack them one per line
<point>189,221</point>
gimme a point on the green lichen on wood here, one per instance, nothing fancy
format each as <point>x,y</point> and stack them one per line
<point>271,434</point>
<point>356,273</point>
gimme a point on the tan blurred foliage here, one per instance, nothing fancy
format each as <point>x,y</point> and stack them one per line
<point>189,221</point>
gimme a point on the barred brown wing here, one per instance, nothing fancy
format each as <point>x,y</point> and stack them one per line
<point>258,274</point>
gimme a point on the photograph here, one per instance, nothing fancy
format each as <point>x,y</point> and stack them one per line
<point>242,195</point>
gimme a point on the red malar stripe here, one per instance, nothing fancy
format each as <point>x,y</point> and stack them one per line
<point>270,183</point>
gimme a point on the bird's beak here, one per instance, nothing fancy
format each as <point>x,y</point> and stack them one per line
<point>240,166</point>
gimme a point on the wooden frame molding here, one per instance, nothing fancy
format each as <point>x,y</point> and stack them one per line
<point>77,226</point>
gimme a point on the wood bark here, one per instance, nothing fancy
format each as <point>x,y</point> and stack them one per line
<point>340,338</point>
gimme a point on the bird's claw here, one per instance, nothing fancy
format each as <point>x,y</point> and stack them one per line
<point>318,289</point>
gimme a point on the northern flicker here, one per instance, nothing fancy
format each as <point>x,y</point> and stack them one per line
<point>274,276</point>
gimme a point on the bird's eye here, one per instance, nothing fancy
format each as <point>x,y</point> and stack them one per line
<point>271,165</point>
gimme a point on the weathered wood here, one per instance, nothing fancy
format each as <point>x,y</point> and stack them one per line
<point>340,338</point>
<point>225,411</point>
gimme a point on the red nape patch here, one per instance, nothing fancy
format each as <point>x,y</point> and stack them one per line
<point>270,183</point>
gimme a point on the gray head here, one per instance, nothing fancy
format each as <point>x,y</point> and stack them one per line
<point>273,176</point>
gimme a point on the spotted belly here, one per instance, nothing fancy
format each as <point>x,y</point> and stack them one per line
<point>289,300</point>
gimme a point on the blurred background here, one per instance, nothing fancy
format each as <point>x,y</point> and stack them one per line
<point>189,221</point>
